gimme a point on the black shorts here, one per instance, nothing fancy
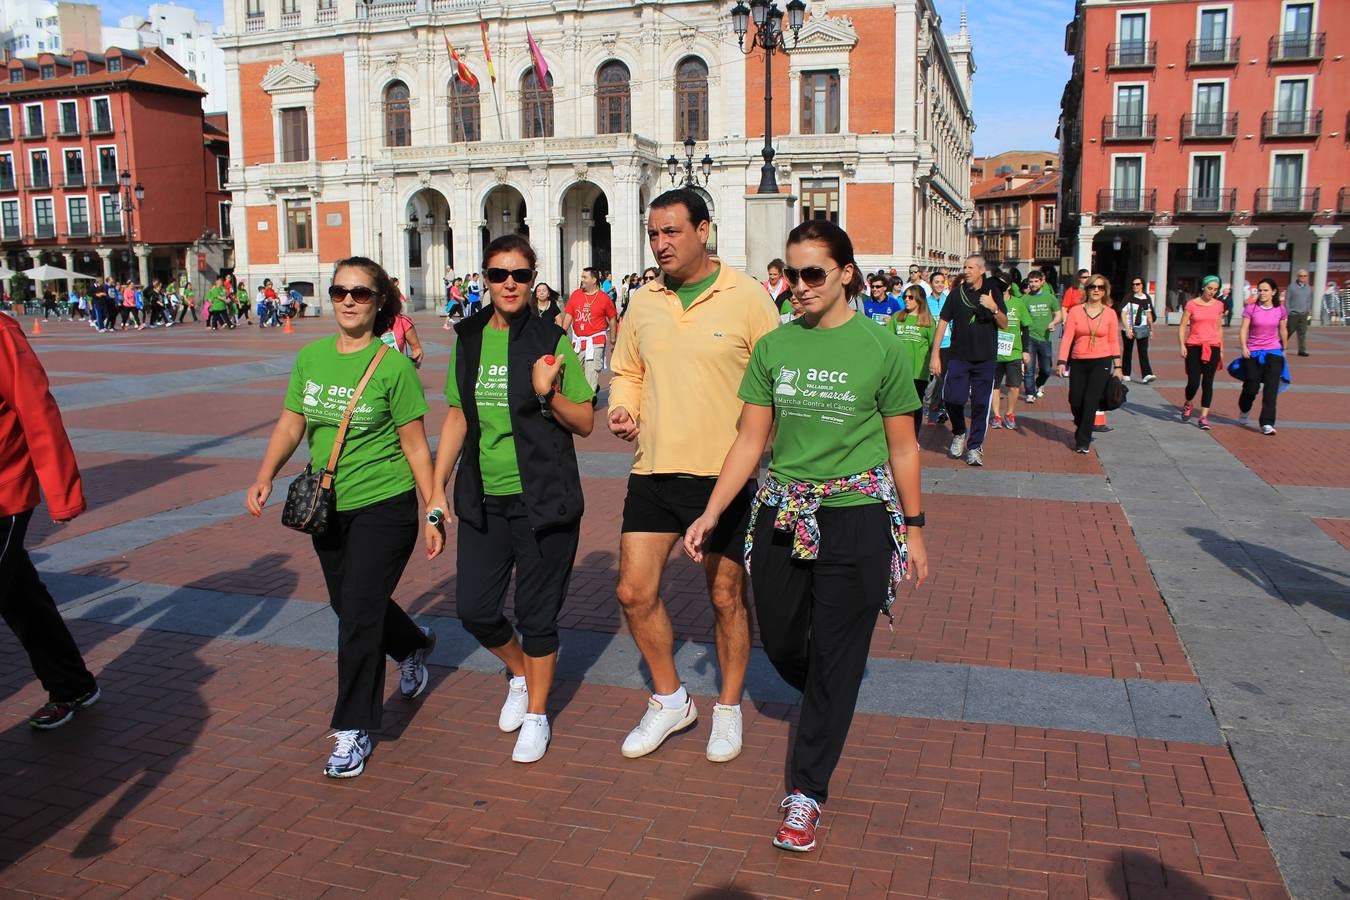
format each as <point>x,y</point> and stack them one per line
<point>669,504</point>
<point>1008,374</point>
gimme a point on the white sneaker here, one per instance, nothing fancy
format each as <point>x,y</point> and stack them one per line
<point>1040,392</point>
<point>657,724</point>
<point>532,742</point>
<point>958,446</point>
<point>724,744</point>
<point>1149,379</point>
<point>350,750</point>
<point>513,710</point>
<point>1244,418</point>
<point>1267,429</point>
<point>1125,378</point>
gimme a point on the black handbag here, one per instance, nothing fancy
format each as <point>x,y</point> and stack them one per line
<point>1115,394</point>
<point>311,501</point>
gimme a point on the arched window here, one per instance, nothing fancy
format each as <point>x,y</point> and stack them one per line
<point>465,113</point>
<point>691,99</point>
<point>536,106</point>
<point>397,116</point>
<point>612,99</point>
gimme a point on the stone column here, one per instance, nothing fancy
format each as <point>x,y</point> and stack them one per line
<point>143,263</point>
<point>1324,234</point>
<point>1086,232</point>
<point>1162,235</point>
<point>106,256</point>
<point>1241,234</point>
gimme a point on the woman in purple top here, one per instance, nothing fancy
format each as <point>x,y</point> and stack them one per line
<point>1264,334</point>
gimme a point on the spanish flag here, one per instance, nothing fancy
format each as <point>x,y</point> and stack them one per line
<point>540,66</point>
<point>462,72</point>
<point>487,54</point>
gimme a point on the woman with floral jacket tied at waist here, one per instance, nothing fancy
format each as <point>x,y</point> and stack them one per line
<point>827,540</point>
<point>371,537</point>
<point>1089,354</point>
<point>35,451</point>
<point>517,393</point>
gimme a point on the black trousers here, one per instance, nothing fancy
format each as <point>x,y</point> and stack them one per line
<point>920,387</point>
<point>1127,351</point>
<point>1265,378</point>
<point>1200,375</point>
<point>30,612</point>
<point>543,565</point>
<point>816,619</point>
<point>363,556</point>
<point>1087,386</point>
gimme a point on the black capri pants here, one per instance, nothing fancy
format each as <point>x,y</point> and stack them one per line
<point>363,555</point>
<point>1200,374</point>
<point>543,565</point>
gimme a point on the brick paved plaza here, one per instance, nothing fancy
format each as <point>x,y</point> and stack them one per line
<point>1170,722</point>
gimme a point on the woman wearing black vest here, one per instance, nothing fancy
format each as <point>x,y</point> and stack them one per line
<point>517,395</point>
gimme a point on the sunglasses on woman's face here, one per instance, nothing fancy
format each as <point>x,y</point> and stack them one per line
<point>878,287</point>
<point>646,278</point>
<point>521,276</point>
<point>360,293</point>
<point>1097,287</point>
<point>811,276</point>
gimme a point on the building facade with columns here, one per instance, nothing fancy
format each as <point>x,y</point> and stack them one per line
<point>1205,137</point>
<point>350,133</point>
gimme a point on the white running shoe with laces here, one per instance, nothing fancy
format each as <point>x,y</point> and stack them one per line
<point>412,672</point>
<point>513,710</point>
<point>724,744</point>
<point>657,724</point>
<point>532,742</point>
<point>351,749</point>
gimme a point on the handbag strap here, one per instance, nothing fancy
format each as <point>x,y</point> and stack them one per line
<point>327,480</point>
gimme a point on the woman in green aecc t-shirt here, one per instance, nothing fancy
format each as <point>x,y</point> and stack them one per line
<point>385,456</point>
<point>517,394</point>
<point>834,392</point>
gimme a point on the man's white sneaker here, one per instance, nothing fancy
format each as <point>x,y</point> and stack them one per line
<point>350,751</point>
<point>724,744</point>
<point>657,724</point>
<point>513,710</point>
<point>412,672</point>
<point>532,742</point>
<point>958,446</point>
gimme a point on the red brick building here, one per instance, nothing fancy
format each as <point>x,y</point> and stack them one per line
<point>1015,218</point>
<point>80,135</point>
<point>1206,137</point>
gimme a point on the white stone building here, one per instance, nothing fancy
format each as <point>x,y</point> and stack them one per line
<point>348,133</point>
<point>186,37</point>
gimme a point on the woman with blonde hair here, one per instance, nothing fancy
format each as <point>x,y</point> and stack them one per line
<point>914,326</point>
<point>1089,355</point>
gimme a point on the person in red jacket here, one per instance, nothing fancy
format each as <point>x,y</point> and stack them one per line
<point>35,452</point>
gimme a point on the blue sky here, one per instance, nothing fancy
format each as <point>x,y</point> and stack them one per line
<point>1020,69</point>
<point>1020,65</point>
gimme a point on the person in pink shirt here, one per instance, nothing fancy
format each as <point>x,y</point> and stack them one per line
<point>1201,340</point>
<point>1263,337</point>
<point>1089,356</point>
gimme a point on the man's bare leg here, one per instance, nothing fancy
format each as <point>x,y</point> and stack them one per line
<point>642,559</point>
<point>726,589</point>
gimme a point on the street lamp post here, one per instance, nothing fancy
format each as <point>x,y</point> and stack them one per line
<point>128,207</point>
<point>768,36</point>
<point>690,179</point>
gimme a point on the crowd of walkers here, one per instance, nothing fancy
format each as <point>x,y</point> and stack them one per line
<point>829,369</point>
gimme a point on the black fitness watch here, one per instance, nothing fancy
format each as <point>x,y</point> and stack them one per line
<point>915,521</point>
<point>544,399</point>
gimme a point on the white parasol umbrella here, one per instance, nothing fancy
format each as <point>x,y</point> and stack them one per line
<point>45,272</point>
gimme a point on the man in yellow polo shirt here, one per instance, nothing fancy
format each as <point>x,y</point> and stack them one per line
<point>683,348</point>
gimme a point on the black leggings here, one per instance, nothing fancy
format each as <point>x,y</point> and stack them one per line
<point>1087,386</point>
<point>1263,378</point>
<point>363,555</point>
<point>542,561</point>
<point>920,386</point>
<point>1200,375</point>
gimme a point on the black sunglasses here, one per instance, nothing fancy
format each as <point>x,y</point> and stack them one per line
<point>361,294</point>
<point>1097,286</point>
<point>521,276</point>
<point>878,286</point>
<point>811,276</point>
<point>647,278</point>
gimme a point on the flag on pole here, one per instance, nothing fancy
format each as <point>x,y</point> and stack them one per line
<point>540,66</point>
<point>462,72</point>
<point>487,54</point>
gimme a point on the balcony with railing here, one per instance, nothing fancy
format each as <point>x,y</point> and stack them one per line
<point>1297,46</point>
<point>1208,126</point>
<point>31,133</point>
<point>1047,247</point>
<point>255,23</point>
<point>1212,53</point>
<point>106,178</point>
<point>100,126</point>
<point>1132,55</point>
<point>1287,201</point>
<point>1127,203</point>
<point>39,181</point>
<point>290,19</point>
<point>7,182</point>
<point>326,15</point>
<point>44,231</point>
<point>77,230</point>
<point>1206,203</point>
<point>10,233</point>
<point>1292,124</point>
<point>6,132</point>
<point>111,227</point>
<point>1127,129</point>
<point>1343,202</point>
<point>68,129</point>
<point>73,180</point>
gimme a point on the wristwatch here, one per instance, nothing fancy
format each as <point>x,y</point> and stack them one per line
<point>544,399</point>
<point>435,516</point>
<point>915,521</point>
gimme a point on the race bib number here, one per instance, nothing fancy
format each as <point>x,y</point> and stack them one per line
<point>1005,343</point>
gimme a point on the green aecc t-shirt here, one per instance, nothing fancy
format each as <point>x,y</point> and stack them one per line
<point>1010,338</point>
<point>829,389</point>
<point>917,343</point>
<point>497,443</point>
<point>1042,307</point>
<point>372,466</point>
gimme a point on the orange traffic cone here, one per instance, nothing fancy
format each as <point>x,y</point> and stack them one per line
<point>287,329</point>
<point>37,327</point>
<point>1100,421</point>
